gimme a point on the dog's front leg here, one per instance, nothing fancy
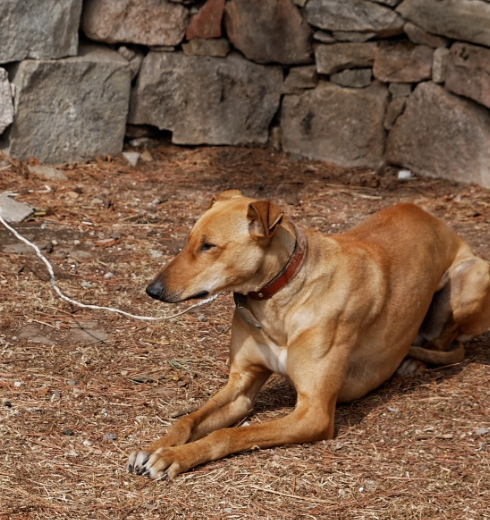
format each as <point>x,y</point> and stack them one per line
<point>228,406</point>
<point>317,381</point>
<point>309,421</point>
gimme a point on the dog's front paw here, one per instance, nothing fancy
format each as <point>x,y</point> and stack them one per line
<point>157,465</point>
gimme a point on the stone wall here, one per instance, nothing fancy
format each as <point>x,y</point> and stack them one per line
<point>350,82</point>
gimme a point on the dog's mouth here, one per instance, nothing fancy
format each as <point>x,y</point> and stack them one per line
<point>159,292</point>
<point>198,296</point>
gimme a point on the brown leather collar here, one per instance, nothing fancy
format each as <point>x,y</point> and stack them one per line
<point>287,273</point>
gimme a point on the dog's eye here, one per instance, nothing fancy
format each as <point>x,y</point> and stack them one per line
<point>206,246</point>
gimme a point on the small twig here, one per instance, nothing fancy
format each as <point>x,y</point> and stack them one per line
<point>96,307</point>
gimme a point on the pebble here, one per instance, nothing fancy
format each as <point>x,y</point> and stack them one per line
<point>18,384</point>
<point>155,254</point>
<point>108,276</point>
<point>110,437</point>
<point>405,175</point>
<point>132,157</point>
<point>202,318</point>
<point>71,382</point>
<point>146,156</point>
<point>482,431</point>
<point>12,210</point>
<point>87,443</point>
<point>68,432</point>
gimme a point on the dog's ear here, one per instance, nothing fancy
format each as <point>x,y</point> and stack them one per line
<point>226,195</point>
<point>264,217</point>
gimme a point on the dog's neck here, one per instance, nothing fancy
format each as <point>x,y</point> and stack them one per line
<point>289,250</point>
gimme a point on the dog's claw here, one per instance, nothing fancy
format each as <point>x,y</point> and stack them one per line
<point>137,462</point>
<point>147,465</point>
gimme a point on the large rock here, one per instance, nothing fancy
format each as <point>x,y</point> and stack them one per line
<point>6,106</point>
<point>38,30</point>
<point>338,125</point>
<point>340,56</point>
<point>403,62</point>
<point>69,110</point>
<point>146,22</point>
<point>353,15</point>
<point>467,20</point>
<point>206,100</point>
<point>355,78</point>
<point>420,37</point>
<point>442,135</point>
<point>269,31</point>
<point>468,72</point>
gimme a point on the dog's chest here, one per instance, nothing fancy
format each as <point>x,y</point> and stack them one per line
<point>276,358</point>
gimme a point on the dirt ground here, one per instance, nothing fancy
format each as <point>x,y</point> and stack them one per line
<point>80,388</point>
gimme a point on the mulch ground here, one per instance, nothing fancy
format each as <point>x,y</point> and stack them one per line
<point>80,389</point>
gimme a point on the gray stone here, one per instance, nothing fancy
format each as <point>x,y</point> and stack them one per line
<point>400,89</point>
<point>206,100</point>
<point>468,72</point>
<point>12,210</point>
<point>419,36</point>
<point>338,125</point>
<point>340,56</point>
<point>6,105</point>
<point>354,78</point>
<point>442,135</point>
<point>268,31</point>
<point>146,22</point>
<point>402,62</point>
<point>324,37</point>
<point>300,78</point>
<point>38,30</point>
<point>439,65</point>
<point>47,172</point>
<point>353,15</point>
<point>69,110</point>
<point>395,109</point>
<point>467,20</point>
<point>353,36</point>
<point>219,47</point>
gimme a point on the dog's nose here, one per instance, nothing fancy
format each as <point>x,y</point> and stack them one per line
<point>155,289</point>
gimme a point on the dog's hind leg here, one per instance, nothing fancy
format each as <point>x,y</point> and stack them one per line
<point>459,311</point>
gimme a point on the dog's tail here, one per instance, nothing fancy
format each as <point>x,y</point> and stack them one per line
<point>439,357</point>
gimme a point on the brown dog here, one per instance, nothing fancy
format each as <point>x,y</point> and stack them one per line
<point>336,314</point>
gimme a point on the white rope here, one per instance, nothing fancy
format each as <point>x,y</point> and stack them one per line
<point>96,307</point>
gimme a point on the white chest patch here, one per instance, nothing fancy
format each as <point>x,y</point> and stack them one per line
<point>277,359</point>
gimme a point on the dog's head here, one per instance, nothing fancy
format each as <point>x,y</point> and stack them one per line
<point>225,251</point>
